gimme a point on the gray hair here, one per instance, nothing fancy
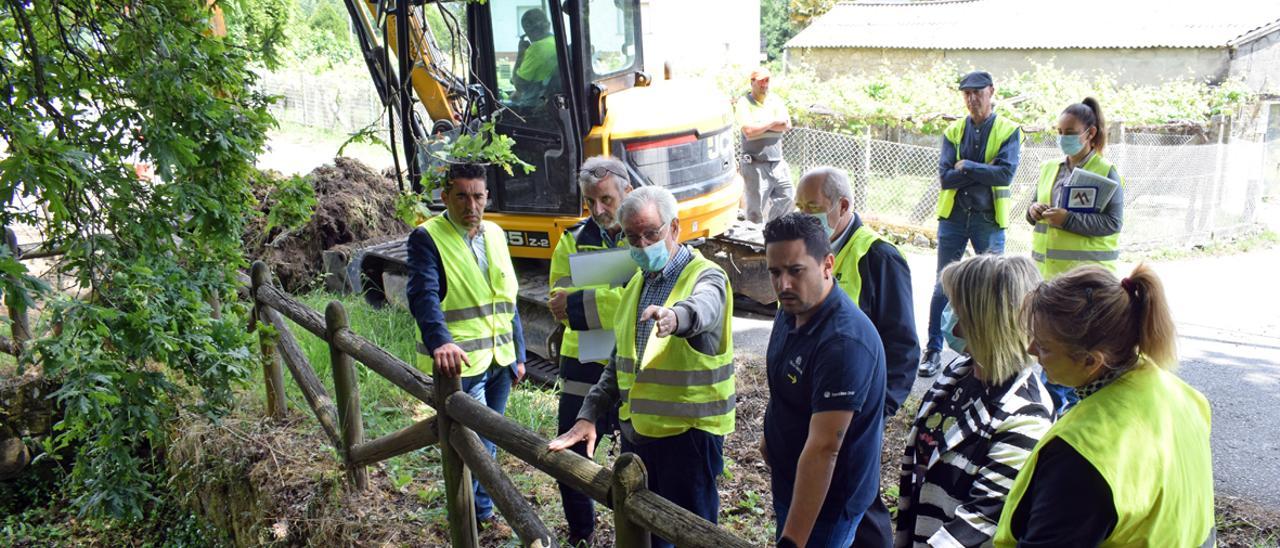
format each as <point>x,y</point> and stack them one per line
<point>617,172</point>
<point>835,183</point>
<point>659,197</point>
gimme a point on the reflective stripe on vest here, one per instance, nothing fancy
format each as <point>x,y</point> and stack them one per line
<point>1147,434</point>
<point>1001,130</point>
<point>846,267</point>
<point>1055,250</point>
<point>569,341</point>
<point>675,387</point>
<point>478,306</point>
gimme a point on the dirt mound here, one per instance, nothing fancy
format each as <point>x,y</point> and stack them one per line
<point>353,203</point>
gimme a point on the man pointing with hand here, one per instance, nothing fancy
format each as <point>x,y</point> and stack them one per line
<point>672,369</point>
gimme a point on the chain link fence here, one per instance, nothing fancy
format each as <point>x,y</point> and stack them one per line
<point>1177,194</point>
<point>340,101</point>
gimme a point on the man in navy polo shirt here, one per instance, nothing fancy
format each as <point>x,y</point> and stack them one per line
<point>824,424</point>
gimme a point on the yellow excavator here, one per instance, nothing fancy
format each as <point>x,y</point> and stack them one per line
<point>566,80</point>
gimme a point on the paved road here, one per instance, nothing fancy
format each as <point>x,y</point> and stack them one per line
<point>1228,314</point>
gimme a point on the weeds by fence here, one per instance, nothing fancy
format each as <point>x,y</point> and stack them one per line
<point>458,420</point>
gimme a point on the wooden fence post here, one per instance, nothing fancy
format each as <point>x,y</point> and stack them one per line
<point>347,392</point>
<point>19,324</point>
<point>271,370</point>
<point>629,476</point>
<point>459,497</point>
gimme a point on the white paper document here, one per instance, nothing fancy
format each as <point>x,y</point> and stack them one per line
<point>595,345</point>
<point>611,267</point>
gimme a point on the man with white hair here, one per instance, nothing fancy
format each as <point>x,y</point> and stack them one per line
<point>672,369</point>
<point>875,275</point>
<point>604,182</point>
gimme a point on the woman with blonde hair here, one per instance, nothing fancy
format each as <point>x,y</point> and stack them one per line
<point>978,423</point>
<point>1130,464</point>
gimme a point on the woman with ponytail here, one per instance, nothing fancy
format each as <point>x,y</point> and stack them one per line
<point>1086,232</point>
<point>1130,464</point>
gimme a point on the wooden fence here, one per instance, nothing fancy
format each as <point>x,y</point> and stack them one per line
<point>456,428</point>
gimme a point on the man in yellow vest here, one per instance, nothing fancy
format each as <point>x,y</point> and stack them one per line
<point>604,183</point>
<point>462,293</point>
<point>536,59</point>
<point>980,156</point>
<point>766,177</point>
<point>672,370</point>
<point>875,275</point>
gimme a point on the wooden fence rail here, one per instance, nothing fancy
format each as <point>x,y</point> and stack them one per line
<point>456,428</point>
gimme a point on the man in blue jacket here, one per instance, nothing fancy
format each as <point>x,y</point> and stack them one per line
<point>462,292</point>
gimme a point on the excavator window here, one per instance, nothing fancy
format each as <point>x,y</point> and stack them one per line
<point>611,31</point>
<point>524,53</point>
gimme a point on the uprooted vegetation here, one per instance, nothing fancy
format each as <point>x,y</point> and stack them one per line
<point>353,203</point>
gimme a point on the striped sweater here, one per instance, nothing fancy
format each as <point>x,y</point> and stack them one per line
<point>964,450</point>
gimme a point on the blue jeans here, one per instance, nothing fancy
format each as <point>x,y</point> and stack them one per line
<point>954,235</point>
<point>683,469</point>
<point>836,533</point>
<point>492,388</point>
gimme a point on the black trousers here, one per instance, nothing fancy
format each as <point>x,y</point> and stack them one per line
<point>579,509</point>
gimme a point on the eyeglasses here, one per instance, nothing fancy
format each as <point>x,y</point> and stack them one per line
<point>602,172</point>
<point>648,236</point>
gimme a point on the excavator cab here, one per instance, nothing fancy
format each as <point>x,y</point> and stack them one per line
<point>522,55</point>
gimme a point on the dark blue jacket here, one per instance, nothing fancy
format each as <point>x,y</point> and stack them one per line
<point>973,183</point>
<point>427,287</point>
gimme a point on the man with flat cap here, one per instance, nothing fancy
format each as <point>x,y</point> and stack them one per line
<point>979,158</point>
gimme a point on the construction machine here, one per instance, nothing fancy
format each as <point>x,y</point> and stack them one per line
<point>566,80</point>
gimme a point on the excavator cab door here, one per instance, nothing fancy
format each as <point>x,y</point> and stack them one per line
<point>521,55</point>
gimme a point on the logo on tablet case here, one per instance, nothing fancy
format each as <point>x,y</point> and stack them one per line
<point>1083,197</point>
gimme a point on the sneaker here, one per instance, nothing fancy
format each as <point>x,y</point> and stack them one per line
<point>930,363</point>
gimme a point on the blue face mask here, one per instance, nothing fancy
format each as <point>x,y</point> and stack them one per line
<point>826,226</point>
<point>652,258</point>
<point>949,321</point>
<point>1070,144</point>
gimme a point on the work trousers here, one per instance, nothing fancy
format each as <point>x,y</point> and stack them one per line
<point>767,184</point>
<point>575,378</point>
<point>683,469</point>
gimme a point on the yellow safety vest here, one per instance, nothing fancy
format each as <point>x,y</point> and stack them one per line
<point>479,306</point>
<point>1055,250</point>
<point>675,387</point>
<point>1001,130</point>
<point>1147,434</point>
<point>850,255</point>
<point>601,301</point>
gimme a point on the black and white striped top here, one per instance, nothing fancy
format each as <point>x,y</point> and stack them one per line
<point>965,448</point>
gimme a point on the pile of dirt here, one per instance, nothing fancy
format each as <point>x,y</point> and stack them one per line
<point>353,203</point>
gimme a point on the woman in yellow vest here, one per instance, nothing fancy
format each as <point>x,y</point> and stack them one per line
<point>1083,228</point>
<point>1130,464</point>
